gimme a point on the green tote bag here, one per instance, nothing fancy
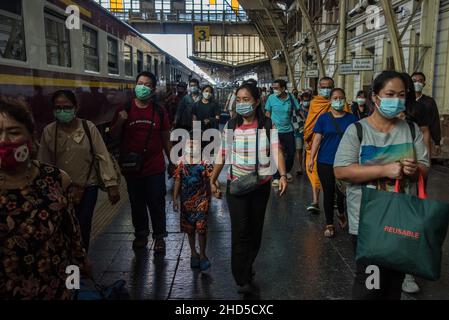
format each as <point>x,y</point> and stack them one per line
<point>402,232</point>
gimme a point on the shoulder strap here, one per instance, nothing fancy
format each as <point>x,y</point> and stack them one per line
<point>89,137</point>
<point>56,144</point>
<point>412,129</point>
<point>359,128</point>
<point>292,104</point>
<point>128,106</point>
<point>232,123</point>
<point>336,125</point>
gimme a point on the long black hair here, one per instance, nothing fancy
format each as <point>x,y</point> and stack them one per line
<point>255,93</point>
<point>382,79</point>
<point>19,113</point>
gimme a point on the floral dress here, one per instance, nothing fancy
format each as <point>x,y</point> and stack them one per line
<point>195,196</point>
<point>39,238</point>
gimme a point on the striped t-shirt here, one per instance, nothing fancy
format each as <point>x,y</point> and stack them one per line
<point>243,155</point>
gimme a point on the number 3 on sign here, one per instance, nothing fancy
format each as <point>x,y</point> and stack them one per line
<point>202,33</point>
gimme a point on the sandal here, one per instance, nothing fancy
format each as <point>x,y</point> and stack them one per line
<point>342,221</point>
<point>329,231</point>
<point>159,246</point>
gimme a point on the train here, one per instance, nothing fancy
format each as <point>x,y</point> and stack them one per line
<point>44,47</point>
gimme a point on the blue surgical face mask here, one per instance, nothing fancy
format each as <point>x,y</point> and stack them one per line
<point>390,108</point>
<point>419,86</point>
<point>306,104</point>
<point>194,90</point>
<point>361,101</point>
<point>244,109</point>
<point>325,92</point>
<point>338,105</point>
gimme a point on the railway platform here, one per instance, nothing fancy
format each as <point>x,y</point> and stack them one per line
<point>295,261</point>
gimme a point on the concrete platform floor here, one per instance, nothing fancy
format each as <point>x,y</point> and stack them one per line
<point>295,261</point>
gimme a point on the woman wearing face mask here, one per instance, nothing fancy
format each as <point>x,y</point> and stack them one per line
<point>39,233</point>
<point>360,106</point>
<point>65,144</point>
<point>247,210</point>
<point>382,152</point>
<point>207,109</point>
<point>328,132</point>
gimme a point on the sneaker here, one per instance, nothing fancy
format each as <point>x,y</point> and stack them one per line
<point>205,264</point>
<point>275,183</point>
<point>194,262</point>
<point>289,177</point>
<point>409,285</point>
<point>314,208</point>
<point>140,242</point>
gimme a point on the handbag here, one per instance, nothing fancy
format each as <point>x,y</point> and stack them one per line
<point>249,182</point>
<point>96,161</point>
<point>132,162</point>
<point>77,190</point>
<point>402,232</point>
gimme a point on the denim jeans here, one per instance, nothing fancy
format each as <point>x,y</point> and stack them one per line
<point>148,194</point>
<point>85,211</point>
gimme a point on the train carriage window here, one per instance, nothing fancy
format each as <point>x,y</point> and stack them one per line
<point>90,45</point>
<point>139,61</point>
<point>57,41</point>
<point>112,56</point>
<point>128,56</point>
<point>12,37</point>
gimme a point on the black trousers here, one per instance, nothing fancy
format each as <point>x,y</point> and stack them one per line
<point>287,141</point>
<point>390,282</point>
<point>148,194</point>
<point>327,179</point>
<point>247,219</point>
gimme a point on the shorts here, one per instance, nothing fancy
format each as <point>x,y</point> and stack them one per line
<point>299,143</point>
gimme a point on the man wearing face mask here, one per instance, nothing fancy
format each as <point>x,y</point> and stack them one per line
<point>318,106</point>
<point>433,115</point>
<point>280,107</point>
<point>184,116</point>
<point>144,131</point>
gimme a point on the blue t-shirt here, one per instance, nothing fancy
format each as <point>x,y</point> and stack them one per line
<point>331,138</point>
<point>281,111</point>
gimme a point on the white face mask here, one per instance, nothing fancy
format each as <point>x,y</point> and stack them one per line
<point>207,95</point>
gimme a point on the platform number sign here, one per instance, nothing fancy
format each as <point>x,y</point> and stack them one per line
<point>202,33</point>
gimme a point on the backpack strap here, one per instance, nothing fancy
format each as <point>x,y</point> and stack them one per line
<point>412,129</point>
<point>336,125</point>
<point>359,128</point>
<point>128,106</point>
